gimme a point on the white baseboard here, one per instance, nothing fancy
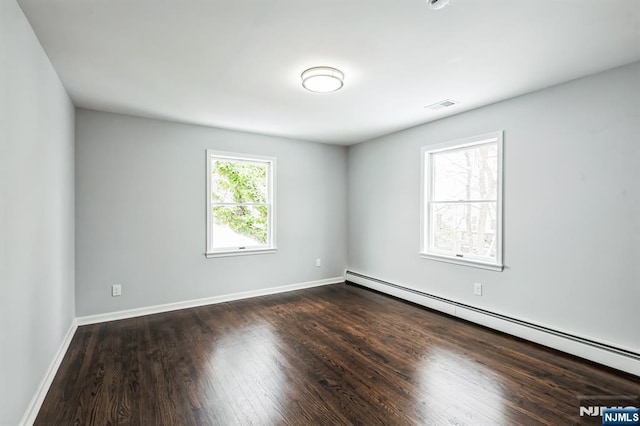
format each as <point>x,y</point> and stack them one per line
<point>131,313</point>
<point>615,356</point>
<point>36,402</point>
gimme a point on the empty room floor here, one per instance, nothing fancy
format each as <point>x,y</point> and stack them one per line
<point>337,354</point>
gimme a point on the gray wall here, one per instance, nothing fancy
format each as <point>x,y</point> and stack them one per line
<point>36,213</point>
<point>572,208</point>
<point>140,211</point>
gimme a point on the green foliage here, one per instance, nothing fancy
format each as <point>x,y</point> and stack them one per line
<point>238,182</point>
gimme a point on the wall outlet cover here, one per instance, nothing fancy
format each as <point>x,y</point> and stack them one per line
<point>116,290</point>
<point>477,289</point>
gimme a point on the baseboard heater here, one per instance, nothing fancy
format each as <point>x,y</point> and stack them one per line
<point>624,359</point>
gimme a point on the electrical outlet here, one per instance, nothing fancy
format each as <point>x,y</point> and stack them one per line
<point>477,289</point>
<point>318,262</point>
<point>116,290</point>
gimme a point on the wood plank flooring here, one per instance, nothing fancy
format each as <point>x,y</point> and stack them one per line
<point>337,354</point>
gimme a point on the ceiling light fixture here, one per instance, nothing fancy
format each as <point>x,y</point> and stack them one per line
<point>322,79</point>
<point>438,4</point>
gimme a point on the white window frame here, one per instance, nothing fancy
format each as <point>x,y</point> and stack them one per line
<point>426,194</point>
<point>270,247</point>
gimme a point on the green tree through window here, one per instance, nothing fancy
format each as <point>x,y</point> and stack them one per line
<point>240,197</point>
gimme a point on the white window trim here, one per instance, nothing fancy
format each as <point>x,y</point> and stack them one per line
<point>226,252</point>
<point>424,201</point>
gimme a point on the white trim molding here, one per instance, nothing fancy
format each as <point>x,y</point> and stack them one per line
<point>168,307</point>
<point>472,263</point>
<point>609,354</point>
<point>247,252</point>
<point>38,398</point>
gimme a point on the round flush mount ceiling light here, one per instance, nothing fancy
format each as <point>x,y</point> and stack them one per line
<point>438,4</point>
<point>322,79</point>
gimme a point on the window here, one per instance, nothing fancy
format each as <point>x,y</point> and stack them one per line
<point>240,204</point>
<point>462,202</point>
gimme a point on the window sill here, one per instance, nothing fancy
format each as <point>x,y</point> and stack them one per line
<point>247,252</point>
<point>464,262</point>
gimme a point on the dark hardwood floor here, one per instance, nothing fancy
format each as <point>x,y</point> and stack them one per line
<point>330,355</point>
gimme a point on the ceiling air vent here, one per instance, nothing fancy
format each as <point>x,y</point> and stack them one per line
<point>442,104</point>
<point>438,4</point>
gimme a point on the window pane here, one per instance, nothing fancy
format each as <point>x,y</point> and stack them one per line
<point>240,226</point>
<point>238,181</point>
<point>466,174</point>
<point>468,229</point>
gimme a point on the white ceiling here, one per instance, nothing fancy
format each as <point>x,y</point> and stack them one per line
<point>236,63</point>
